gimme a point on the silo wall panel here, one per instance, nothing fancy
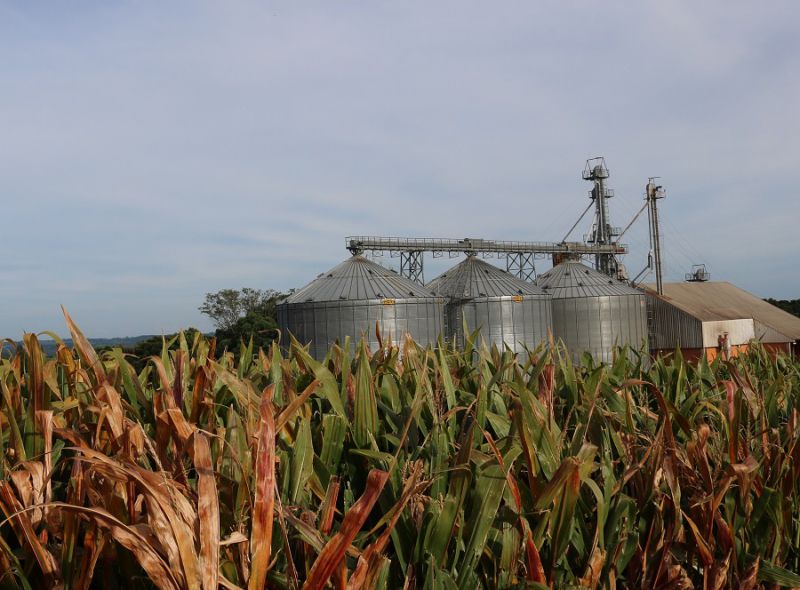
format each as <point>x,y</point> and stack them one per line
<point>509,332</point>
<point>562,317</point>
<point>672,327</point>
<point>323,323</point>
<point>584,323</point>
<point>599,324</point>
<point>454,323</point>
<point>501,321</point>
<point>643,331</point>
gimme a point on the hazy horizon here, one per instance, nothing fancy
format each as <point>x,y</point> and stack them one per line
<point>155,152</point>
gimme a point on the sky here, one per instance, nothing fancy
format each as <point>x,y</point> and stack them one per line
<point>151,152</point>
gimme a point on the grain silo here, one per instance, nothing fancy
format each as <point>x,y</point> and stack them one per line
<point>593,312</point>
<point>507,310</point>
<point>351,298</point>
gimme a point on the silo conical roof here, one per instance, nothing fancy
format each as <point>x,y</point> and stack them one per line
<point>572,279</point>
<point>358,279</point>
<point>473,278</point>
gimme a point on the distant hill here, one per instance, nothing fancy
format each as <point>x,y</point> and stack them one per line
<point>49,346</point>
<point>790,305</point>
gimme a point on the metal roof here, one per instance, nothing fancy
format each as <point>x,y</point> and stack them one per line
<point>473,278</point>
<point>572,279</point>
<point>716,301</point>
<point>358,279</point>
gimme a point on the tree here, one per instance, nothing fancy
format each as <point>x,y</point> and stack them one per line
<point>227,306</point>
<point>790,305</point>
<point>242,315</point>
<point>258,326</point>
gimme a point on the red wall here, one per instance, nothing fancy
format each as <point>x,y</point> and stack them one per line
<point>694,354</point>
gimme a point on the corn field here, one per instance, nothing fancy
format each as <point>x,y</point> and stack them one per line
<point>405,467</point>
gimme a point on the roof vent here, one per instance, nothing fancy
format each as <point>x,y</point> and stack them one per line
<point>699,274</point>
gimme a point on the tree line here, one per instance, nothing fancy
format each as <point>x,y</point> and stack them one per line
<point>790,305</point>
<point>238,315</point>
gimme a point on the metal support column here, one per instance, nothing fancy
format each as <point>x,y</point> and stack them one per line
<point>654,193</point>
<point>521,264</point>
<point>411,265</point>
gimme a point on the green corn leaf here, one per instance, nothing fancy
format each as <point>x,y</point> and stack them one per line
<point>328,384</point>
<point>773,574</point>
<point>490,483</point>
<point>302,461</point>
<point>365,413</point>
<point>334,429</point>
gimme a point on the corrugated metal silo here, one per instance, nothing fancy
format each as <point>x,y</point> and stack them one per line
<point>593,312</point>
<point>351,298</point>
<point>508,310</point>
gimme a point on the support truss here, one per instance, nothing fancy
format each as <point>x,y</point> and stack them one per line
<point>411,265</point>
<point>521,264</point>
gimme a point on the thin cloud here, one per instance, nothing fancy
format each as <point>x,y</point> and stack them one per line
<point>153,153</point>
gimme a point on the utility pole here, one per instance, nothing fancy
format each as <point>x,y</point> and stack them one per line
<point>653,193</point>
<point>602,231</point>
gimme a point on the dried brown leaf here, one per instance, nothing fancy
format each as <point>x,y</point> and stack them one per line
<point>718,574</point>
<point>593,569</point>
<point>85,349</point>
<point>332,554</point>
<point>157,569</point>
<point>20,520</point>
<point>288,412</point>
<point>207,511</point>
<point>750,579</point>
<point>370,559</point>
<point>264,501</point>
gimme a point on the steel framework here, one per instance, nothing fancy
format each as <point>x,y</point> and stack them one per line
<point>521,264</point>
<point>411,265</point>
<point>520,256</point>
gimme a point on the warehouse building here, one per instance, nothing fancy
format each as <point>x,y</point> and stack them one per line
<point>716,317</point>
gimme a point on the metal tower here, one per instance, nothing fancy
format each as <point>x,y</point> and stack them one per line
<point>603,233</point>
<point>653,193</point>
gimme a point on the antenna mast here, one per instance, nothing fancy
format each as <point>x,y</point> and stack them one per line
<point>653,193</point>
